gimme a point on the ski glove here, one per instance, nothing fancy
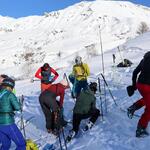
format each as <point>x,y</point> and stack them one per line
<point>130,90</point>
<point>130,112</point>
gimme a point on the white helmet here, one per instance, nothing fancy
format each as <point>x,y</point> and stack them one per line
<point>78,60</point>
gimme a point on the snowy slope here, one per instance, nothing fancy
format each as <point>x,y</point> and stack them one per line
<point>28,42</point>
<point>116,131</point>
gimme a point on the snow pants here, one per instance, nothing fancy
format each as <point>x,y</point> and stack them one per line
<point>8,133</point>
<point>77,85</point>
<point>93,115</point>
<point>144,90</point>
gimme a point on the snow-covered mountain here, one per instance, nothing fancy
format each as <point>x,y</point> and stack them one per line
<point>28,42</point>
<point>56,38</point>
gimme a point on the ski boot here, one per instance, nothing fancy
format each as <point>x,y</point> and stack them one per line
<point>88,126</point>
<point>71,135</point>
<point>141,132</point>
<point>130,111</point>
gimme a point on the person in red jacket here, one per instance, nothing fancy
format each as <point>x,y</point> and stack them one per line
<point>47,75</point>
<point>53,109</point>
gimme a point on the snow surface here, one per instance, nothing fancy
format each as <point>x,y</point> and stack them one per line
<point>69,31</point>
<point>26,43</point>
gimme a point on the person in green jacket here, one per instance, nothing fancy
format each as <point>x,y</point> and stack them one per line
<point>8,129</point>
<point>85,107</point>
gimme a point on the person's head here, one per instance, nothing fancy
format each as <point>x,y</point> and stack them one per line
<point>46,66</point>
<point>8,83</point>
<point>93,86</point>
<point>78,60</point>
<point>2,77</point>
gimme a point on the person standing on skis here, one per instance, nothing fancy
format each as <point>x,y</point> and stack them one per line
<point>53,109</point>
<point>47,75</point>
<point>143,86</point>
<point>78,77</point>
<point>8,129</point>
<point>84,108</point>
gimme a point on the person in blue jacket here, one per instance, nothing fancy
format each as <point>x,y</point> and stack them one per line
<point>8,129</point>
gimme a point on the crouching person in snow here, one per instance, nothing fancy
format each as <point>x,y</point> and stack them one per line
<point>85,107</point>
<point>78,77</point>
<point>8,128</point>
<point>143,86</point>
<point>53,109</point>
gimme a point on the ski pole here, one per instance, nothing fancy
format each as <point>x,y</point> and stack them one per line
<point>109,89</point>
<point>22,122</point>
<point>64,138</point>
<point>101,105</point>
<point>113,96</point>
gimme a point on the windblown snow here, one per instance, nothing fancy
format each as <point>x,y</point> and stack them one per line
<point>56,38</point>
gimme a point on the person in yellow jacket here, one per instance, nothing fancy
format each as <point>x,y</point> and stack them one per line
<point>78,77</point>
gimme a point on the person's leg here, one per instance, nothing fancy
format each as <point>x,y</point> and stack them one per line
<point>46,111</point>
<point>94,115</point>
<point>77,88</point>
<point>145,92</point>
<point>5,141</point>
<point>76,122</point>
<point>136,106</point>
<point>84,84</point>
<point>17,137</point>
<point>145,118</point>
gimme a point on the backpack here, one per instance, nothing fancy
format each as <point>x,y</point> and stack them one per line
<point>30,145</point>
<point>46,75</point>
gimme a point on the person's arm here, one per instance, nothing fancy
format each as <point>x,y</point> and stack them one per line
<point>87,70</point>
<point>14,102</point>
<point>136,72</point>
<point>55,73</point>
<point>38,74</point>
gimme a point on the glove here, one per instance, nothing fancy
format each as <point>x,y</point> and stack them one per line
<point>130,90</point>
<point>51,81</point>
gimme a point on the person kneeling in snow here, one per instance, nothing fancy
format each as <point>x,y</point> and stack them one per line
<point>143,86</point>
<point>8,129</point>
<point>85,107</point>
<point>53,109</point>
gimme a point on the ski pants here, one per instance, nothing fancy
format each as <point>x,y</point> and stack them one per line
<point>47,101</point>
<point>8,133</point>
<point>93,115</point>
<point>144,90</point>
<point>77,85</point>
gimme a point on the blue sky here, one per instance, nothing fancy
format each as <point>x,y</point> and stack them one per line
<point>21,8</point>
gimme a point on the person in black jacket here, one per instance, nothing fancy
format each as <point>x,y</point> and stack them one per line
<point>143,86</point>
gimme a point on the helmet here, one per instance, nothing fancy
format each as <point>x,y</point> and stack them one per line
<point>8,82</point>
<point>46,66</point>
<point>93,86</point>
<point>78,60</point>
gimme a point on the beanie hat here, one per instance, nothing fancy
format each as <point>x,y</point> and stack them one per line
<point>8,82</point>
<point>93,86</point>
<point>46,66</point>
